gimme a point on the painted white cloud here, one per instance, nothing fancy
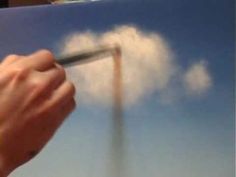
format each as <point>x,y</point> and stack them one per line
<point>147,66</point>
<point>197,78</point>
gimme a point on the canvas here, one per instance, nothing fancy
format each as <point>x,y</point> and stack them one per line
<point>174,116</point>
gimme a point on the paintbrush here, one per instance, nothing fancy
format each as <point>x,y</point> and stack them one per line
<point>89,55</point>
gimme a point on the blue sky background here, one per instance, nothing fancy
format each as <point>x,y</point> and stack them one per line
<point>191,138</point>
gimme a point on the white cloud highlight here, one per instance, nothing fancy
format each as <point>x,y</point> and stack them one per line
<point>197,78</point>
<point>147,66</point>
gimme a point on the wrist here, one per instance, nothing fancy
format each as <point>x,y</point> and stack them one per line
<point>4,171</point>
<point>2,174</point>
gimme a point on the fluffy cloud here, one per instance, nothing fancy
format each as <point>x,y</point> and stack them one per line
<point>147,66</point>
<point>197,79</point>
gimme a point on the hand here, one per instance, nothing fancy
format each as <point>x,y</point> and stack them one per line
<point>35,98</point>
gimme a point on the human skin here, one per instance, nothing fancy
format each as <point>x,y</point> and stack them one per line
<point>35,98</point>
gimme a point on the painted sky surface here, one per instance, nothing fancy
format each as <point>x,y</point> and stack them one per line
<point>190,136</point>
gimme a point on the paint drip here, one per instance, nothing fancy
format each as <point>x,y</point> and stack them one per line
<point>117,142</point>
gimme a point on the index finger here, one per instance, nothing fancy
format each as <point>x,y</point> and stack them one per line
<point>41,60</point>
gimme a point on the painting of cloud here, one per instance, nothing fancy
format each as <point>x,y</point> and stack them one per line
<point>174,116</point>
<point>148,65</point>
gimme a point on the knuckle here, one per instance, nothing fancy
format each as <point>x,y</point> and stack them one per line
<point>70,106</point>
<point>71,88</point>
<point>12,57</point>
<point>20,73</point>
<point>73,105</point>
<point>62,72</point>
<point>37,85</point>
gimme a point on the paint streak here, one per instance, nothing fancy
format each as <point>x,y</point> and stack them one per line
<point>117,146</point>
